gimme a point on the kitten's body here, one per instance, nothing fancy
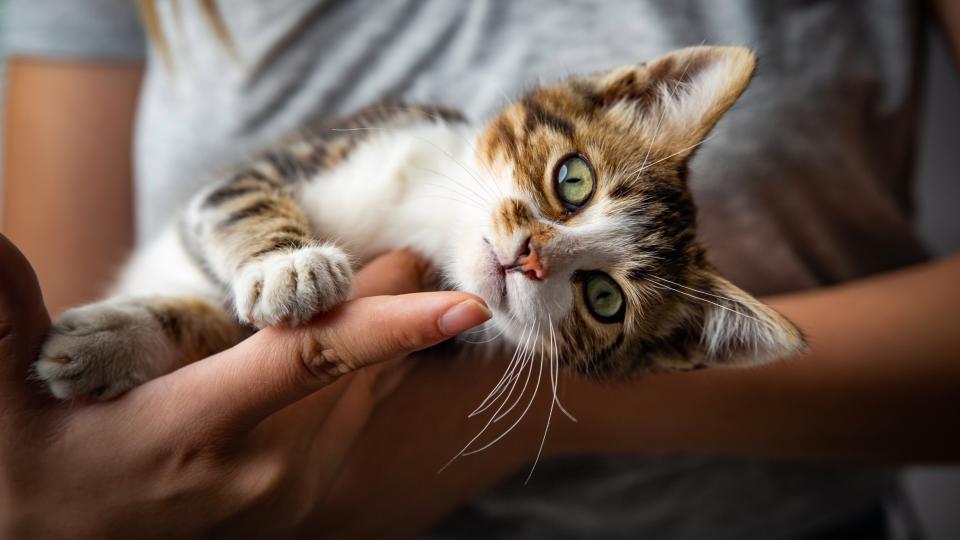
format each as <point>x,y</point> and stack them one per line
<point>269,243</point>
<point>380,197</point>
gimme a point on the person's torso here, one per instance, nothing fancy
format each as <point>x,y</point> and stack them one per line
<point>804,183</point>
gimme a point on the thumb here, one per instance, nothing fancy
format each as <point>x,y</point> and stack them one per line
<point>278,366</point>
<point>23,318</point>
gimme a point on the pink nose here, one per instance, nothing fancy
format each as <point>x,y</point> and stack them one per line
<point>529,262</point>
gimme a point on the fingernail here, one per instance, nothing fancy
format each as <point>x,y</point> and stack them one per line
<point>463,316</point>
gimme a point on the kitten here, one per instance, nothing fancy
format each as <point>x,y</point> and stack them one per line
<point>569,213</point>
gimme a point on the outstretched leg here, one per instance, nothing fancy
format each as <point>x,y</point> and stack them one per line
<point>164,313</point>
<point>106,348</point>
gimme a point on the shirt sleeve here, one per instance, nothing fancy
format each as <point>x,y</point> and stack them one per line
<point>73,29</point>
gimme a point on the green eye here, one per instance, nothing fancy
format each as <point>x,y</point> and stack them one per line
<point>574,181</point>
<point>603,297</point>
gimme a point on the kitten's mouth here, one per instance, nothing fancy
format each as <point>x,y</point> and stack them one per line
<point>501,276</point>
<point>498,272</point>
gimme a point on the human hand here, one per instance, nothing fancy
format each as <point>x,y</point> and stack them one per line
<point>213,447</point>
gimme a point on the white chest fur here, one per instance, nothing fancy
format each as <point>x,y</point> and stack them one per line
<point>400,188</point>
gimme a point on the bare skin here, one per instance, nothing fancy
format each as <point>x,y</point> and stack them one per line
<point>68,152</point>
<point>215,447</point>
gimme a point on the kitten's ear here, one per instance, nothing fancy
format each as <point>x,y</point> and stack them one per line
<point>678,97</point>
<point>739,330</point>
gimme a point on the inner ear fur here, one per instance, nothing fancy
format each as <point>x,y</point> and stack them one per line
<point>738,329</point>
<point>679,97</point>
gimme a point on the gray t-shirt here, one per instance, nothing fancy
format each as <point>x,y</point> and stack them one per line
<point>805,183</point>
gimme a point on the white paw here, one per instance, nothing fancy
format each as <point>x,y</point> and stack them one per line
<point>292,287</point>
<point>101,350</point>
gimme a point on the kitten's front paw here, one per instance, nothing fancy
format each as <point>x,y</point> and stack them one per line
<point>101,350</point>
<point>292,287</point>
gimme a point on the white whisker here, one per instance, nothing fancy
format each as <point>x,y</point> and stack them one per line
<point>553,400</point>
<point>424,139</point>
<point>556,356</point>
<point>461,201</point>
<point>691,147</point>
<point>731,310</point>
<point>479,196</point>
<point>510,374</point>
<point>483,328</point>
<point>531,355</point>
<point>720,296</point>
<point>511,366</point>
<point>443,192</point>
<point>482,430</point>
<point>522,415</point>
<point>471,197</point>
<point>438,118</point>
<point>500,333</point>
<point>512,384</point>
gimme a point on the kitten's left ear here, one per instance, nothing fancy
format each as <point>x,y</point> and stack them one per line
<point>678,97</point>
<point>739,330</point>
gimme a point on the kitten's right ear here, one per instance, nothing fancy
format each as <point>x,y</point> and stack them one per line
<point>739,330</point>
<point>679,97</point>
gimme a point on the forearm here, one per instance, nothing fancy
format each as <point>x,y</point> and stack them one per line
<point>880,383</point>
<point>67,170</point>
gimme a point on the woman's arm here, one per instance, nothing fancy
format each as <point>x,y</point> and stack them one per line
<point>880,383</point>
<point>67,171</point>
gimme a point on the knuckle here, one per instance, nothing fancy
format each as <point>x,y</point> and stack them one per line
<point>190,445</point>
<point>318,360</point>
<point>325,354</point>
<point>186,457</point>
<point>297,351</point>
<point>266,479</point>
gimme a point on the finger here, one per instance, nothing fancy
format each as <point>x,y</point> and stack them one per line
<point>397,272</point>
<point>23,320</point>
<point>240,387</point>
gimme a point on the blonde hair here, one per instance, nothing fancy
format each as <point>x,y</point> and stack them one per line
<point>211,12</point>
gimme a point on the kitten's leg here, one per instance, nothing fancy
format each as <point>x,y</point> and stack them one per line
<point>254,237</point>
<point>106,348</point>
<point>245,238</point>
<point>164,313</point>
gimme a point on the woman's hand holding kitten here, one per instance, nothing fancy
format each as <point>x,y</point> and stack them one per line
<point>219,445</point>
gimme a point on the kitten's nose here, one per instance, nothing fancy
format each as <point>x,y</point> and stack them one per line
<point>529,262</point>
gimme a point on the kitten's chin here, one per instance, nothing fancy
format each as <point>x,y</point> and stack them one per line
<point>518,304</point>
<point>475,269</point>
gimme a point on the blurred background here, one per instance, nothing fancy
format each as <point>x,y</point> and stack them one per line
<point>934,491</point>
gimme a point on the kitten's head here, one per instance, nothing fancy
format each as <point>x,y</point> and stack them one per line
<point>594,235</point>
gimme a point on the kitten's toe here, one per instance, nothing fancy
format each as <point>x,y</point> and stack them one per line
<point>293,287</point>
<point>102,350</point>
